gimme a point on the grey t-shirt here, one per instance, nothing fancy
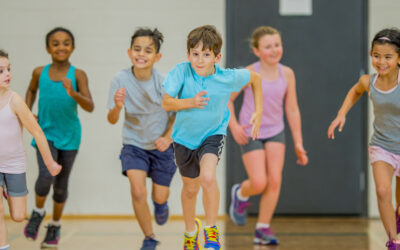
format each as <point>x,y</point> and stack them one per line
<point>145,120</point>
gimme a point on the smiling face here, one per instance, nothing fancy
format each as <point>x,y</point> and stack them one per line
<point>60,46</point>
<point>5,73</point>
<point>143,53</point>
<point>269,49</point>
<point>385,58</point>
<point>202,60</point>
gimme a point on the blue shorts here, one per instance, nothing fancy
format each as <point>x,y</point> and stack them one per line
<point>159,166</point>
<point>15,184</point>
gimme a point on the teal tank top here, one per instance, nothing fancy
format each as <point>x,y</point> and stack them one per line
<point>58,112</point>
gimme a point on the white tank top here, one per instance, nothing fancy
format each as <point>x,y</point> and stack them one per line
<point>12,153</point>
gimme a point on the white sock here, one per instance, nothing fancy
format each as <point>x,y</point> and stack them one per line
<point>261,225</point>
<point>240,196</point>
<point>55,223</point>
<point>7,247</point>
<point>39,210</point>
<point>191,234</point>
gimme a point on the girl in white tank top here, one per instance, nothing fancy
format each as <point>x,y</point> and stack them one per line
<point>13,115</point>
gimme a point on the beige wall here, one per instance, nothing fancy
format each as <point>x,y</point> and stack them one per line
<point>382,14</point>
<point>102,30</point>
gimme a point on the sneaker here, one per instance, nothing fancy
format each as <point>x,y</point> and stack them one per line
<point>264,236</point>
<point>238,208</point>
<point>397,220</point>
<point>392,245</point>
<point>32,227</point>
<point>149,243</point>
<point>192,243</point>
<point>52,236</point>
<point>211,238</point>
<point>161,213</point>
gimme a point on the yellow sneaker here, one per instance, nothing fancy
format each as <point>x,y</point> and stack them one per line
<point>192,243</point>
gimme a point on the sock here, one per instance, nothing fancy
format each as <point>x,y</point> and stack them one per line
<point>7,247</point>
<point>240,196</point>
<point>39,210</point>
<point>261,225</point>
<point>191,234</point>
<point>55,223</point>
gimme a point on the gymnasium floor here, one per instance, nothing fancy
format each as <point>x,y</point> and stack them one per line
<point>297,233</point>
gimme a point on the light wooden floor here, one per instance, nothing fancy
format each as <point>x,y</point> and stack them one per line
<point>293,233</point>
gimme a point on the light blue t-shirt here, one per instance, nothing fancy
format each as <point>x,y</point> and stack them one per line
<point>193,126</point>
<point>145,120</point>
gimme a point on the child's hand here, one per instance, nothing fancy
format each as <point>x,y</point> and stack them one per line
<point>239,134</point>
<point>54,168</point>
<point>256,122</point>
<point>199,101</point>
<point>162,143</point>
<point>119,97</point>
<point>302,158</point>
<point>339,121</point>
<point>67,84</point>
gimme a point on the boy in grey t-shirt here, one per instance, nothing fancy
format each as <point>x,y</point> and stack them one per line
<point>147,149</point>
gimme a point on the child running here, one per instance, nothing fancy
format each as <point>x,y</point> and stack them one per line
<point>147,149</point>
<point>384,150</point>
<point>62,87</point>
<point>199,91</point>
<point>14,114</point>
<point>264,157</point>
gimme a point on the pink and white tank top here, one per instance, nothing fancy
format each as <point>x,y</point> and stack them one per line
<point>12,153</point>
<point>274,92</point>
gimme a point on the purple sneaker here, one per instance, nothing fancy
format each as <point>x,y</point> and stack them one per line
<point>161,213</point>
<point>264,236</point>
<point>238,208</point>
<point>32,227</point>
<point>52,236</point>
<point>392,246</point>
<point>397,220</point>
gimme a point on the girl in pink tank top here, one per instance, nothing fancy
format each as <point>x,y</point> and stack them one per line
<point>13,115</point>
<point>264,157</point>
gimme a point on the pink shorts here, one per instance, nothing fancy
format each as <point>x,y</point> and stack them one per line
<point>379,154</point>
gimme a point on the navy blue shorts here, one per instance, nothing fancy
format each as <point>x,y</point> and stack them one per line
<point>159,166</point>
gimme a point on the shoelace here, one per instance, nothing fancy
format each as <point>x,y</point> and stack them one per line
<point>211,234</point>
<point>190,242</point>
<point>34,223</point>
<point>51,232</point>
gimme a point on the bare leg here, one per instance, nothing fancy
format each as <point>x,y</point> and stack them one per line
<point>40,200</point>
<point>190,189</point>
<point>3,228</point>
<point>397,192</point>
<point>209,185</point>
<point>160,193</point>
<point>254,162</point>
<point>57,210</point>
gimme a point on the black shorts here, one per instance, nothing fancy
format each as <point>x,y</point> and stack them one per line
<point>188,161</point>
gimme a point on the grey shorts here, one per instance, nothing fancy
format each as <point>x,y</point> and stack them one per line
<point>188,161</point>
<point>15,184</point>
<point>259,143</point>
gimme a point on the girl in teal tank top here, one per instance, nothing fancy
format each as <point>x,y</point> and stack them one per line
<point>62,87</point>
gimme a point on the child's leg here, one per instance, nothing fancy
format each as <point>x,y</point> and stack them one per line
<point>137,180</point>
<point>397,191</point>
<point>17,207</point>
<point>208,182</point>
<point>275,157</point>
<point>3,228</point>
<point>383,174</point>
<point>160,193</point>
<point>190,189</point>
<point>254,162</point>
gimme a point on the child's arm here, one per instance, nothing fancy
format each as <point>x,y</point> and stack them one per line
<point>294,117</point>
<point>255,121</point>
<point>165,140</point>
<point>119,99</point>
<point>30,95</point>
<point>82,96</point>
<point>29,122</point>
<point>170,103</point>
<point>351,98</point>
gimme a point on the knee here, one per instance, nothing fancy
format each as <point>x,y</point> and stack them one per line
<point>60,195</point>
<point>160,198</point>
<point>18,216</point>
<point>190,191</point>
<point>384,192</point>
<point>258,185</point>
<point>139,194</point>
<point>274,184</point>
<point>208,181</point>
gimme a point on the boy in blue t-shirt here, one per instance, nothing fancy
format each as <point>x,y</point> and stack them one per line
<point>147,149</point>
<point>199,90</point>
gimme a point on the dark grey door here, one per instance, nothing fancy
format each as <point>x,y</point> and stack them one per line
<point>327,51</point>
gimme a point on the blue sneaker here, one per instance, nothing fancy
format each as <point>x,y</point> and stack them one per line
<point>161,213</point>
<point>264,236</point>
<point>149,243</point>
<point>211,238</point>
<point>238,208</point>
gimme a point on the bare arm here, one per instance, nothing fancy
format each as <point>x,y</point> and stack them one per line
<point>29,122</point>
<point>119,100</point>
<point>31,92</point>
<point>255,83</point>
<point>170,103</point>
<point>82,96</point>
<point>165,140</point>
<point>351,98</point>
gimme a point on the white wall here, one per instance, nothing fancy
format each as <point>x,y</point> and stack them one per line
<point>102,31</point>
<point>382,14</point>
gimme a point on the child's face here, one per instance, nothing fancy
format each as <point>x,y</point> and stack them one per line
<point>202,61</point>
<point>143,53</point>
<point>269,49</point>
<point>384,57</point>
<point>60,46</point>
<point>5,73</point>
